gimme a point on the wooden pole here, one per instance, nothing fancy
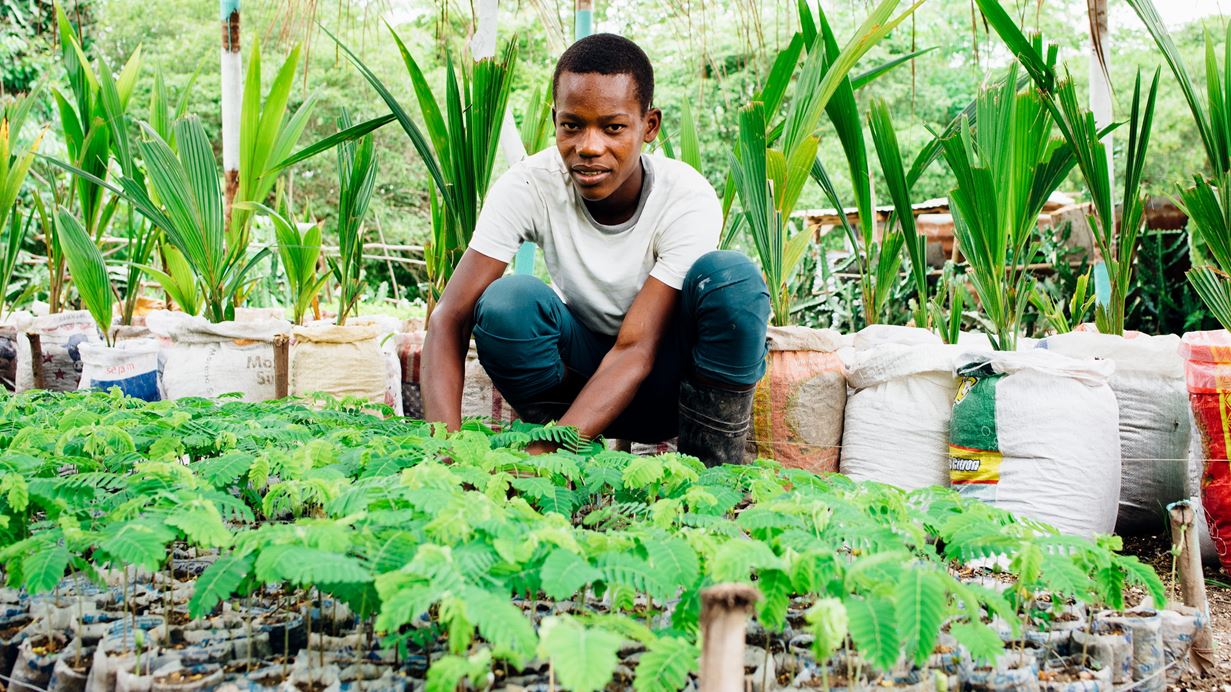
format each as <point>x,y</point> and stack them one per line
<point>1186,544</point>
<point>36,360</point>
<point>282,363</point>
<point>724,617</point>
<point>232,98</point>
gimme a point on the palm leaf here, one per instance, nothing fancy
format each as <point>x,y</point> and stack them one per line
<point>89,271</point>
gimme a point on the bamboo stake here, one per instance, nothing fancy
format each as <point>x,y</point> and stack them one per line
<point>36,360</point>
<point>282,358</point>
<point>724,615</point>
<point>1185,543</point>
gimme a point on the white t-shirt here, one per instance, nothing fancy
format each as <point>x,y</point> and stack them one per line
<point>597,270</point>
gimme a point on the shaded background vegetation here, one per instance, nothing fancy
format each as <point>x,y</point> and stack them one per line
<point>712,53</point>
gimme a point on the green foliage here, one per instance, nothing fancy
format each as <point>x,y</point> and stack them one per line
<point>767,180</point>
<point>666,664</point>
<point>299,251</point>
<point>356,178</point>
<point>459,150</point>
<point>89,271</point>
<point>1005,169</point>
<point>583,658</point>
<point>1116,238</point>
<point>426,549</point>
<point>266,136</point>
<point>218,582</point>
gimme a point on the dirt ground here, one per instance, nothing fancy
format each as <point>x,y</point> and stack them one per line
<point>1156,551</point>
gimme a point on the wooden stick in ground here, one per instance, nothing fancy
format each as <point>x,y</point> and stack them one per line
<point>282,363</point>
<point>1185,542</point>
<point>36,360</point>
<point>724,617</point>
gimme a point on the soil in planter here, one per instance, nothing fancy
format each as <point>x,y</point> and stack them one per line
<point>36,660</point>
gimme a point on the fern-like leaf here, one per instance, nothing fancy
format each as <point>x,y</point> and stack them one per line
<point>141,542</point>
<point>920,600</point>
<point>308,566</point>
<point>665,665</point>
<point>218,582</point>
<point>584,658</point>
<point>225,470</point>
<point>981,641</point>
<point>624,569</point>
<point>201,523</point>
<point>674,560</point>
<point>873,626</point>
<point>43,569</point>
<point>502,624</point>
<point>564,573</point>
<point>1144,576</point>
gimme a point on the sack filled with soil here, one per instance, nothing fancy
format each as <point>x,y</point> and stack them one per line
<point>799,404</point>
<point>1037,434</point>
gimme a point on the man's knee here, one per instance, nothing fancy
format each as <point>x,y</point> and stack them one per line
<point>515,307</point>
<point>729,302</point>
<point>725,280</point>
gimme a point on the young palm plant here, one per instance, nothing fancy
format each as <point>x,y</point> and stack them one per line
<point>15,162</point>
<point>890,155</point>
<point>1005,169</point>
<point>266,136</point>
<point>356,179</point>
<point>1117,242</point>
<point>1208,201</point>
<point>458,150</point>
<point>299,250</point>
<point>189,211</point>
<point>771,162</point>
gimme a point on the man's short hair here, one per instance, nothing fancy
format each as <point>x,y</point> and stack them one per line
<point>609,54</point>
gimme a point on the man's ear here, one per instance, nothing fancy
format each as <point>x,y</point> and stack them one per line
<point>653,121</point>
<point>553,116</point>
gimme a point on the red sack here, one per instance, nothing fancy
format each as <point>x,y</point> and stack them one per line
<point>1207,369</point>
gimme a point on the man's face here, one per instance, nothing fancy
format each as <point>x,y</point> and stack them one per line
<point>600,129</point>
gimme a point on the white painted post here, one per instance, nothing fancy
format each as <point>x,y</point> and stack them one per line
<point>232,97</point>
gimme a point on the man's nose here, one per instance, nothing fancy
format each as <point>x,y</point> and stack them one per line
<point>591,144</point>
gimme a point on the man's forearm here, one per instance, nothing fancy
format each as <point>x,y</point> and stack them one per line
<point>444,368</point>
<point>609,391</point>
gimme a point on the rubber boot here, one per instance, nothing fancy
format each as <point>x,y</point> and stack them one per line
<point>714,422</point>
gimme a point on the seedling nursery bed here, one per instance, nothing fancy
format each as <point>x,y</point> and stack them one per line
<point>201,545</point>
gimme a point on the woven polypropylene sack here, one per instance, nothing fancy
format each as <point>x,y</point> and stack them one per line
<point>338,361</point>
<point>1154,420</point>
<point>208,360</point>
<point>8,357</point>
<point>896,427</point>
<point>60,336</point>
<point>1207,371</point>
<point>480,398</point>
<point>131,366</point>
<point>1037,434</point>
<point>798,405</point>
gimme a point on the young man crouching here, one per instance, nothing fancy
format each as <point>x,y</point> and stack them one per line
<point>647,332</point>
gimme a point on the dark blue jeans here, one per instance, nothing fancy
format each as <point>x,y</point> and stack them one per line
<point>539,354</point>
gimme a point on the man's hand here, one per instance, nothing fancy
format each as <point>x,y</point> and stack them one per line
<point>448,337</point>
<point>627,364</point>
<point>541,447</point>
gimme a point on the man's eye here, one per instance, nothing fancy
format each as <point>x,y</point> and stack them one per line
<point>616,128</point>
<point>569,126</point>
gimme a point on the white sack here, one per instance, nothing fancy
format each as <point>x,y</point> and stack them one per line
<point>208,360</point>
<point>1155,425</point>
<point>897,415</point>
<point>132,366</point>
<point>1037,433</point>
<point>60,336</point>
